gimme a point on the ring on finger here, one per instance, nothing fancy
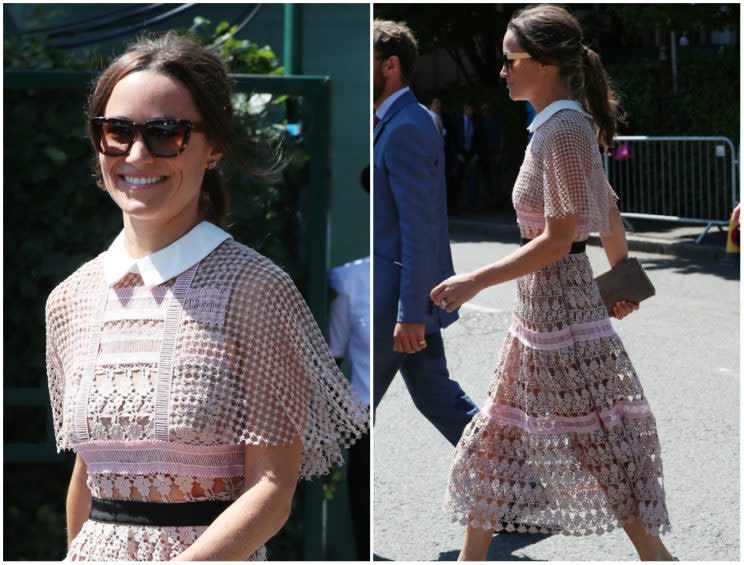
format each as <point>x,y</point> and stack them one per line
<point>443,303</point>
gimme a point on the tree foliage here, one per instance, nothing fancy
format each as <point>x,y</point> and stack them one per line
<point>472,33</point>
<point>678,17</point>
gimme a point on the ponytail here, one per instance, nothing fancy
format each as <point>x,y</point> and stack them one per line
<point>598,97</point>
<point>553,36</point>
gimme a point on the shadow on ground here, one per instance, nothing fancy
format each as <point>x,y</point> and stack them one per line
<point>502,547</point>
<point>726,268</point>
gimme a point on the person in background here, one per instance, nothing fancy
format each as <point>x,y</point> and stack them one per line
<point>443,124</point>
<point>467,142</point>
<point>492,158</point>
<point>349,337</point>
<point>435,109</point>
<point>733,240</point>
<point>411,242</point>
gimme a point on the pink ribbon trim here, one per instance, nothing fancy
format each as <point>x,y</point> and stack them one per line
<point>547,425</point>
<point>148,456</point>
<point>566,337</point>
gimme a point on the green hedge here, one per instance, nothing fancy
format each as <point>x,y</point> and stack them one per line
<point>706,101</point>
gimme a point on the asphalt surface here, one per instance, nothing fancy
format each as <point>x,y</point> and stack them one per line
<point>684,344</point>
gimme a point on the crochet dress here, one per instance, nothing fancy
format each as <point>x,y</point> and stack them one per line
<point>159,389</point>
<point>566,442</point>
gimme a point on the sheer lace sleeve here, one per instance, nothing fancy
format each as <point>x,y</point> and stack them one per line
<point>55,372</point>
<point>292,386</point>
<point>573,177</point>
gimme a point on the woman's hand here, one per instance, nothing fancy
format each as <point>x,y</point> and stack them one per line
<point>623,308</point>
<point>455,291</point>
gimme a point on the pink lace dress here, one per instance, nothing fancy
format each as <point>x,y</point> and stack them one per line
<point>159,389</point>
<point>566,442</point>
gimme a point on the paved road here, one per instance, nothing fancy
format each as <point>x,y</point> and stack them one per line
<point>684,344</point>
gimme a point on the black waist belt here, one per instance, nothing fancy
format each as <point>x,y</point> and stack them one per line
<point>139,513</point>
<point>576,246</point>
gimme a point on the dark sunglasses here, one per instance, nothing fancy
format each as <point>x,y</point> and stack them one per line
<point>509,58</point>
<point>163,137</point>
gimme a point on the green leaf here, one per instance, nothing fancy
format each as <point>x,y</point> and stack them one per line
<point>57,156</point>
<point>222,27</point>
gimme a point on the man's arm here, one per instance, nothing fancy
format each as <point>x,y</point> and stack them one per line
<point>414,176</point>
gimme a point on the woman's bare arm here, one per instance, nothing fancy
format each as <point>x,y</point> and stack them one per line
<point>548,247</point>
<point>616,248</point>
<point>615,243</point>
<point>78,500</point>
<point>270,479</point>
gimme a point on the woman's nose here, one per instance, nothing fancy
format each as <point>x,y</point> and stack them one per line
<point>139,151</point>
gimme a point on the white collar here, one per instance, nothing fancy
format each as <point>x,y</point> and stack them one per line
<point>385,106</point>
<point>551,109</point>
<point>166,263</point>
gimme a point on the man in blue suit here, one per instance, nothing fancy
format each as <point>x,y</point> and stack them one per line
<point>411,243</point>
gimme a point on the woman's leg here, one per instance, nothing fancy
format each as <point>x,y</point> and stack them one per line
<point>648,546</point>
<point>475,545</point>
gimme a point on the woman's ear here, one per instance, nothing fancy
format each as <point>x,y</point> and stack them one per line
<point>214,155</point>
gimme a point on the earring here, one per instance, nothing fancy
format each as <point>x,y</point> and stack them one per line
<point>211,165</point>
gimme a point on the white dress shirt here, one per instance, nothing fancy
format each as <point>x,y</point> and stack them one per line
<point>350,321</point>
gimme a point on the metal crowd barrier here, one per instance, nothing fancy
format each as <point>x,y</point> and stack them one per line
<point>686,179</point>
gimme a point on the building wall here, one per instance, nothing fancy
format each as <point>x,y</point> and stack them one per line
<point>336,43</point>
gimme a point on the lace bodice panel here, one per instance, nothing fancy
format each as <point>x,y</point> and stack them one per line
<point>159,389</point>
<point>121,408</point>
<point>562,174</point>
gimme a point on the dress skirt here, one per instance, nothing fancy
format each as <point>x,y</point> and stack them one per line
<point>566,442</point>
<point>99,541</point>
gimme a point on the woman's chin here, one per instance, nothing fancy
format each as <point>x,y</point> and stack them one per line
<point>140,209</point>
<point>514,96</point>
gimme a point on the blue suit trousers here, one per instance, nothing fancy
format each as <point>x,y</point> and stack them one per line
<point>437,397</point>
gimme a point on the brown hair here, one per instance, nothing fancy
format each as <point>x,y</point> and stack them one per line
<point>396,38</point>
<point>552,35</point>
<point>206,78</point>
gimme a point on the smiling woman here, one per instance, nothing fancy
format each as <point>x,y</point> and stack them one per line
<point>148,170</point>
<point>185,370</point>
<point>160,79</point>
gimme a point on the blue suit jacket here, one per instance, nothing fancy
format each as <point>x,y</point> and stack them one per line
<point>411,242</point>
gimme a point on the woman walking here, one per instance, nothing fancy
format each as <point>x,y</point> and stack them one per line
<point>185,370</point>
<point>566,442</point>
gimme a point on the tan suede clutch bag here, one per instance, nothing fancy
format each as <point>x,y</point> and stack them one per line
<point>625,281</point>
